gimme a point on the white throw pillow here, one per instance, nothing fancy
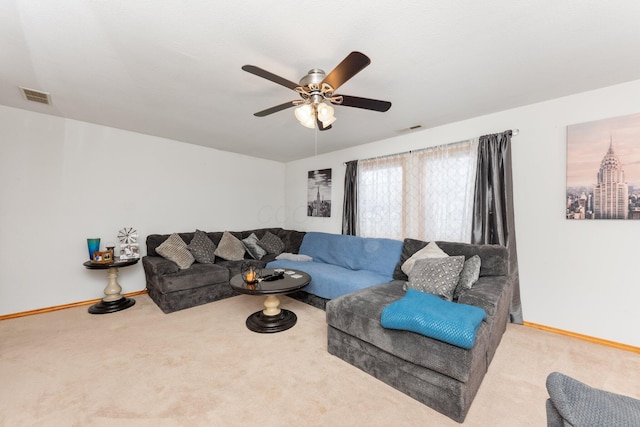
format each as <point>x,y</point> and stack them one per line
<point>430,251</point>
<point>294,257</point>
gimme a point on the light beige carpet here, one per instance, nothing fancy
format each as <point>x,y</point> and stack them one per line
<point>202,367</point>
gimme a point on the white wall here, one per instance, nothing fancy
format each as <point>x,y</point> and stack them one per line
<point>575,275</point>
<point>62,181</point>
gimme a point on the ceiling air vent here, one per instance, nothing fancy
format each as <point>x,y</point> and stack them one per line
<point>36,96</point>
<point>410,128</point>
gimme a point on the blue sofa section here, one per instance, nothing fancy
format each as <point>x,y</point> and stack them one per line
<point>344,264</point>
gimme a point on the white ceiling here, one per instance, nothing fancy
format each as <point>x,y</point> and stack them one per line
<point>171,68</point>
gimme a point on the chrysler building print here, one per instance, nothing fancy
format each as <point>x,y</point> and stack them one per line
<point>611,193</point>
<point>603,169</point>
<point>319,193</point>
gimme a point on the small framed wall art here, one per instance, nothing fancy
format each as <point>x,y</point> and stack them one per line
<point>319,193</point>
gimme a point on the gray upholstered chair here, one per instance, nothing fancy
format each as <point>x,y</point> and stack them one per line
<point>572,403</point>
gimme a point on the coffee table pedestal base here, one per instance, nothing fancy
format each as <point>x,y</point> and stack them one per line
<point>272,318</point>
<point>260,322</point>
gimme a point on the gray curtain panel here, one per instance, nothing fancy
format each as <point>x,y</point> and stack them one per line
<point>350,205</point>
<point>493,216</point>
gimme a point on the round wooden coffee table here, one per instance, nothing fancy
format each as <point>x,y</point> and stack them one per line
<point>272,318</point>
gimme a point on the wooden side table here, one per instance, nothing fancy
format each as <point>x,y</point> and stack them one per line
<point>113,300</point>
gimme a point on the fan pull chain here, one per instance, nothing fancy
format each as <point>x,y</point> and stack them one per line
<point>316,139</point>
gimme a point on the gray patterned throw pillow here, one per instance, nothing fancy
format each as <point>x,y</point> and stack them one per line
<point>271,243</point>
<point>175,249</point>
<point>468,276</point>
<point>437,276</point>
<point>253,248</point>
<point>202,248</point>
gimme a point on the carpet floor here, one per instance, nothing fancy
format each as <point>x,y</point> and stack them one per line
<point>203,367</point>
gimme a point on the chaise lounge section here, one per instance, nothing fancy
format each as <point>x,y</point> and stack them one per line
<point>440,375</point>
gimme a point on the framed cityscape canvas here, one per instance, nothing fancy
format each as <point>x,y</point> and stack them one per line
<point>319,193</point>
<point>603,169</point>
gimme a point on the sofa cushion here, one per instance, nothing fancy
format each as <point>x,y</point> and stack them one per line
<point>202,248</point>
<point>468,276</point>
<point>175,249</point>
<point>197,276</point>
<point>487,293</point>
<point>358,314</point>
<point>271,243</point>
<point>331,281</point>
<point>230,248</point>
<point>355,253</point>
<point>157,266</point>
<point>437,276</point>
<point>253,248</point>
<point>432,250</point>
<point>429,315</point>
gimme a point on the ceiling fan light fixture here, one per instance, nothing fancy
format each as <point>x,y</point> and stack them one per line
<point>307,113</point>
<point>304,113</point>
<point>325,112</point>
<point>309,123</point>
<point>328,122</point>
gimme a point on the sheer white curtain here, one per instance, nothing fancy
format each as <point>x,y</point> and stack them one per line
<point>425,194</point>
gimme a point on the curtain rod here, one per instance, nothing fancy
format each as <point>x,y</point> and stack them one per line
<point>514,132</point>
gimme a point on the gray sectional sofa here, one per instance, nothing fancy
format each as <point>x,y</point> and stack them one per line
<point>356,278</point>
<point>440,375</point>
<point>173,288</point>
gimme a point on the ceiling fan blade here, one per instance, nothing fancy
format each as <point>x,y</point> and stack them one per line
<point>270,76</point>
<point>275,109</point>
<point>366,103</point>
<point>349,67</point>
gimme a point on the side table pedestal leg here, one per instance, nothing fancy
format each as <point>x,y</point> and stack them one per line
<point>113,300</point>
<point>113,289</point>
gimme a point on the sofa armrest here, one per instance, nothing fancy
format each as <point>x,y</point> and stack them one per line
<point>486,293</point>
<point>158,266</point>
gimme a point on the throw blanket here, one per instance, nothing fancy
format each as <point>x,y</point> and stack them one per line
<point>431,316</point>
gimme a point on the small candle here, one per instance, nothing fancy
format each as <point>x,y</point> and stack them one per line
<point>250,276</point>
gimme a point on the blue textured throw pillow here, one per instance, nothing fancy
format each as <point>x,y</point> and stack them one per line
<point>434,317</point>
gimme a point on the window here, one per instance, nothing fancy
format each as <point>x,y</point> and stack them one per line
<point>426,194</point>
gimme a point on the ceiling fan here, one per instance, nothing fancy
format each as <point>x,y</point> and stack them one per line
<point>317,91</point>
